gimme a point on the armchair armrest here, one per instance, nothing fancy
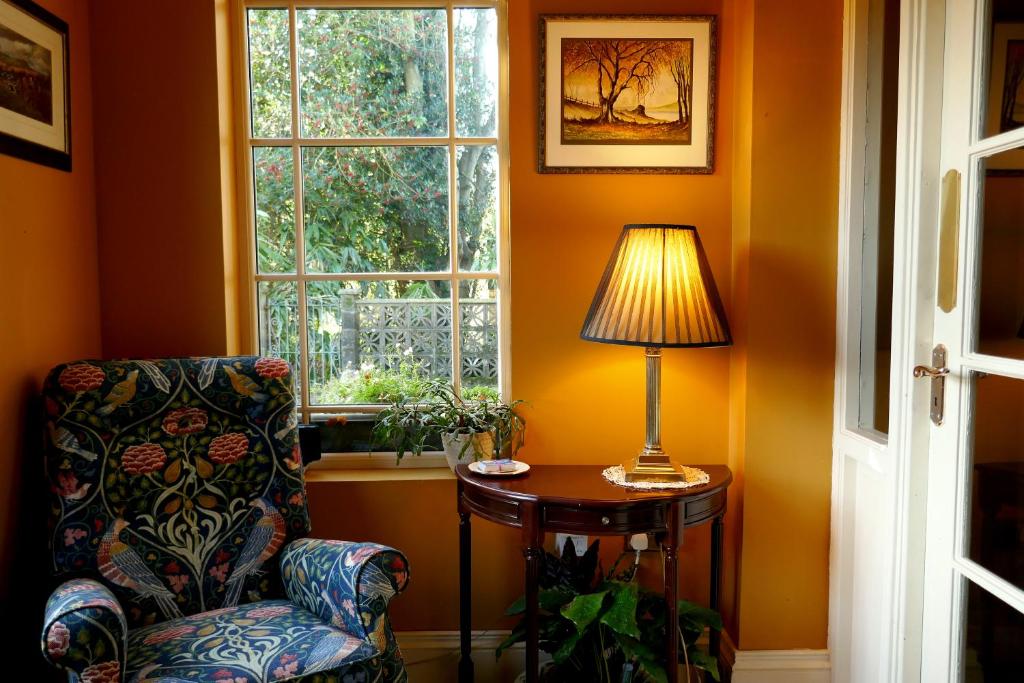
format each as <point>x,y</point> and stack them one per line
<point>84,631</point>
<point>347,584</point>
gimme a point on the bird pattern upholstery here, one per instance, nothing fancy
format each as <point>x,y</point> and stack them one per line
<point>174,485</point>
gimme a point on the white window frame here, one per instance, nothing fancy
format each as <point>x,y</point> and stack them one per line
<point>247,141</point>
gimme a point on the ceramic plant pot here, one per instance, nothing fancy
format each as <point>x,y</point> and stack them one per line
<point>481,449</point>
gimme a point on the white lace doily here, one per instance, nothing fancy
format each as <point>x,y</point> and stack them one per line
<point>694,477</point>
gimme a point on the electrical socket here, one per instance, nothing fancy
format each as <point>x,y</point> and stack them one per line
<point>579,543</point>
<point>638,542</point>
<point>642,542</point>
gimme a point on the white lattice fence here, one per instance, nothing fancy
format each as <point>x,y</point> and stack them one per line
<point>346,332</point>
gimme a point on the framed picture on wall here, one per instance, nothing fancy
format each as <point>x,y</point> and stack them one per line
<point>35,102</point>
<point>1005,107</point>
<point>627,94</point>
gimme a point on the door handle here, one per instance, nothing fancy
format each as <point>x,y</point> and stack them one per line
<point>937,372</point>
<point>929,371</point>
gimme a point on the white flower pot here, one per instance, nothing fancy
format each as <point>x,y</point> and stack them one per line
<point>481,449</point>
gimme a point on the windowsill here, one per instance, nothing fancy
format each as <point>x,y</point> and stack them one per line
<point>430,466</point>
<point>324,475</point>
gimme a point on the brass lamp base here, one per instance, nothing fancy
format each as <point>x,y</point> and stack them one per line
<point>648,467</point>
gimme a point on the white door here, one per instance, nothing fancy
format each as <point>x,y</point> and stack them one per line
<point>891,116</point>
<point>973,628</point>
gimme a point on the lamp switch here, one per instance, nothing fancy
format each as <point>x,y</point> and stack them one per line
<point>579,543</point>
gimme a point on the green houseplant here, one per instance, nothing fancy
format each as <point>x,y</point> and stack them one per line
<point>604,628</point>
<point>486,426</point>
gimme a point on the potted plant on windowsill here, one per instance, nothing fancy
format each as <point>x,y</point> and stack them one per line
<point>485,427</point>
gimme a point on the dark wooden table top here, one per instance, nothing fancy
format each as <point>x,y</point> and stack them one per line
<point>582,485</point>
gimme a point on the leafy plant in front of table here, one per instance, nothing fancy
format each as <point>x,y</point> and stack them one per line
<point>605,628</point>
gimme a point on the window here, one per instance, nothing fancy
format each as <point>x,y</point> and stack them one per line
<point>377,198</point>
<point>871,223</point>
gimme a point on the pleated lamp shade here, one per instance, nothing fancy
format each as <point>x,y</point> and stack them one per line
<point>657,290</point>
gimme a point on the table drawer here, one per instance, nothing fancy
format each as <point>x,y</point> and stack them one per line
<point>496,510</point>
<point>699,510</point>
<point>649,518</point>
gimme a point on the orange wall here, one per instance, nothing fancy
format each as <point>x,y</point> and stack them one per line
<point>788,345</point>
<point>49,313</point>
<point>573,386</point>
<point>158,188</point>
<point>768,221</point>
<point>587,399</point>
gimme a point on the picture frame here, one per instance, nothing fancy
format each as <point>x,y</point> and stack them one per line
<point>656,116</point>
<point>1005,105</point>
<point>35,85</point>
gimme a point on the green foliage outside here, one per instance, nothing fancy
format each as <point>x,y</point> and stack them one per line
<point>406,383</point>
<point>371,73</point>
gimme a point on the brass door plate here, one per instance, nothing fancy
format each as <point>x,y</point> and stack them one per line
<point>949,240</point>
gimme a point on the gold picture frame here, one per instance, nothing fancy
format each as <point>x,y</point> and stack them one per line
<point>627,94</point>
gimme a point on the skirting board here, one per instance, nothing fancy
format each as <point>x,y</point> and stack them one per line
<point>775,666</point>
<point>432,656</point>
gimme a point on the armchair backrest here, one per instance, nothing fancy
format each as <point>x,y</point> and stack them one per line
<point>174,482</point>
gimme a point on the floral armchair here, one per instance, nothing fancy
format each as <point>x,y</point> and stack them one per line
<point>177,517</point>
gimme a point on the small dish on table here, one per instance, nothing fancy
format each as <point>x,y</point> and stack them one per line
<point>498,468</point>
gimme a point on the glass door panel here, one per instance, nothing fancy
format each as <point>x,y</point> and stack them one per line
<point>996,512</point>
<point>1005,68</point>
<point>993,636</point>
<point>999,323</point>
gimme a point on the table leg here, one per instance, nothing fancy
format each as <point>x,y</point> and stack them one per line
<point>465,598</point>
<point>716,579</point>
<point>533,553</point>
<point>670,545</point>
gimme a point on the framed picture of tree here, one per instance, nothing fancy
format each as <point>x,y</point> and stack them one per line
<point>627,94</point>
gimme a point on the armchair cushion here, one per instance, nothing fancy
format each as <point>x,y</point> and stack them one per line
<point>84,631</point>
<point>272,640</point>
<point>348,585</point>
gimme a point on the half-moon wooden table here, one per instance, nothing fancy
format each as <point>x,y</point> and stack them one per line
<point>577,499</point>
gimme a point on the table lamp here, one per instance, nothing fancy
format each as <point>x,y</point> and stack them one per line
<point>657,291</point>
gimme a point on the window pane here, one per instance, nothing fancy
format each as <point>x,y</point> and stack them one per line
<point>373,72</point>
<point>279,324</point>
<point>376,209</point>
<point>997,488</point>
<point>275,209</point>
<point>878,217</point>
<point>372,342</point>
<point>1000,310</point>
<point>270,73</point>
<point>993,639</point>
<point>1004,103</point>
<point>478,207</point>
<point>478,337</point>
<point>476,72</point>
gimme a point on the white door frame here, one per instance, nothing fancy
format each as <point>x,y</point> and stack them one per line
<point>878,483</point>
